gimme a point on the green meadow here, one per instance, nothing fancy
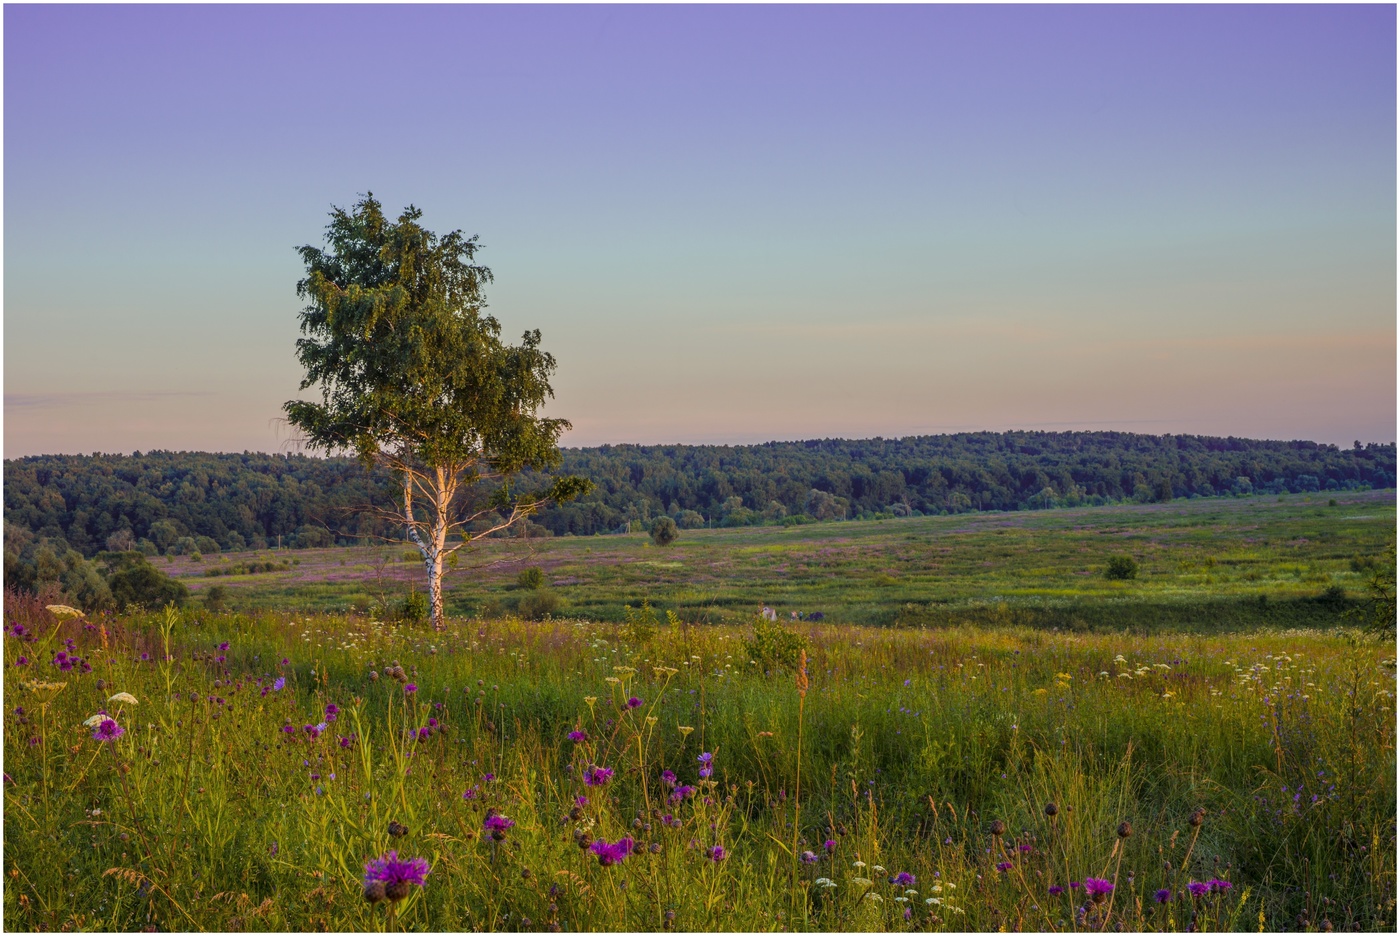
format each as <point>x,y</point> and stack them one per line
<point>988,734</point>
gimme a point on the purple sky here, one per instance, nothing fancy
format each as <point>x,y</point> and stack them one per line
<point>731,223</point>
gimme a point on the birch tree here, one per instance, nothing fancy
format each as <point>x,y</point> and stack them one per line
<point>414,377</point>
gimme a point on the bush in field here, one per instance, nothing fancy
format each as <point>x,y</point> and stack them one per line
<point>663,531</point>
<point>640,624</point>
<point>538,605</point>
<point>531,578</point>
<point>215,598</point>
<point>136,583</point>
<point>774,648</point>
<point>1121,568</point>
<point>413,608</point>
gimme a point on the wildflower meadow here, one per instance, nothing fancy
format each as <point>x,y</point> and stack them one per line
<point>186,770</point>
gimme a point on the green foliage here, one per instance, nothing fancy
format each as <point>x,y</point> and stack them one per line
<point>639,624</point>
<point>531,578</point>
<point>664,531</point>
<point>538,605</point>
<point>1377,613</point>
<point>1121,568</point>
<point>774,648</point>
<point>135,583</point>
<point>215,598</point>
<point>248,500</point>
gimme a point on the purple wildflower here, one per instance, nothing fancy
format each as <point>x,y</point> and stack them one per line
<point>108,731</point>
<point>1216,884</point>
<point>903,879</point>
<point>668,778</point>
<point>224,645</point>
<point>1056,890</point>
<point>577,736</point>
<point>471,793</point>
<point>580,801</point>
<point>410,689</point>
<point>706,769</point>
<point>1004,866</point>
<point>345,742</point>
<point>614,853</point>
<point>332,710</point>
<point>22,660</point>
<point>289,729</point>
<point>424,733</point>
<point>716,853</point>
<point>1198,888</point>
<point>1098,888</point>
<point>488,778</point>
<point>829,845</point>
<point>279,684</point>
<point>808,857</point>
<point>634,702</point>
<point>1074,885</point>
<point>681,792</point>
<point>388,878</point>
<point>1163,895</point>
<point>311,730</point>
<point>597,776</point>
<point>498,825</point>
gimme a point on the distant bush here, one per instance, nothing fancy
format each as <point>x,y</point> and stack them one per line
<point>215,598</point>
<point>1121,568</point>
<point>531,578</point>
<point>538,604</point>
<point>135,582</point>
<point>690,520</point>
<point>663,531</point>
<point>413,609</point>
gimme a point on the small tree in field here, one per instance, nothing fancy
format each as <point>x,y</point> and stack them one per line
<point>415,378</point>
<point>663,531</point>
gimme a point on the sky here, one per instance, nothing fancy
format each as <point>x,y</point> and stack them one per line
<point>731,223</point>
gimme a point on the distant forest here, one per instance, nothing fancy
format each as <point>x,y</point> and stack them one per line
<point>181,502</point>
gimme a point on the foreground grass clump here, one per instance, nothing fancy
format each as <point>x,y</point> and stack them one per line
<point>583,776</point>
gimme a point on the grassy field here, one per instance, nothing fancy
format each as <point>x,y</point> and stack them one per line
<point>1204,563</point>
<point>932,753</point>
<point>1200,757</point>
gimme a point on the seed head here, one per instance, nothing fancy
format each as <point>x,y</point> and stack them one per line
<point>802,674</point>
<point>1125,829</point>
<point>397,831</point>
<point>1051,809</point>
<point>998,827</point>
<point>1198,817</point>
<point>374,891</point>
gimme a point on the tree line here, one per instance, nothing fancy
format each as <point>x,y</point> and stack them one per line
<point>184,502</point>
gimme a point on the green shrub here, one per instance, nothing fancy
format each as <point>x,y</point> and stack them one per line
<point>640,624</point>
<point>413,608</point>
<point>1121,568</point>
<point>774,648</point>
<point>539,604</point>
<point>531,578</point>
<point>215,598</point>
<point>663,531</point>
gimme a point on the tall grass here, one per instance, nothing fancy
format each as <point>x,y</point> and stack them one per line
<point>927,752</point>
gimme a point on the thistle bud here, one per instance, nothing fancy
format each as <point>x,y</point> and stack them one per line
<point>374,891</point>
<point>1051,809</point>
<point>1197,817</point>
<point>1125,829</point>
<point>998,827</point>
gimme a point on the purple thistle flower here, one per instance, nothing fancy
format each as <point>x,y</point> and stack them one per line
<point>611,854</point>
<point>1023,848</point>
<point>285,662</point>
<point>388,878</point>
<point>681,792</point>
<point>345,742</point>
<point>829,845</point>
<point>108,731</point>
<point>410,689</point>
<point>808,857</point>
<point>498,825</point>
<point>716,853</point>
<point>471,793</point>
<point>424,733</point>
<point>1216,884</point>
<point>1198,888</point>
<point>1098,887</point>
<point>279,684</point>
<point>903,879</point>
<point>634,702</point>
<point>597,776</point>
<point>1162,896</point>
<point>668,778</point>
<point>311,730</point>
<point>488,778</point>
<point>224,645</point>
<point>289,729</point>
<point>1056,890</point>
<point>1004,866</point>
<point>580,801</point>
<point>577,736</point>
<point>145,658</point>
<point>22,660</point>
<point>332,710</point>
<point>1074,885</point>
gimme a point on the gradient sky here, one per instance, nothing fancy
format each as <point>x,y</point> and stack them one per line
<point>732,224</point>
